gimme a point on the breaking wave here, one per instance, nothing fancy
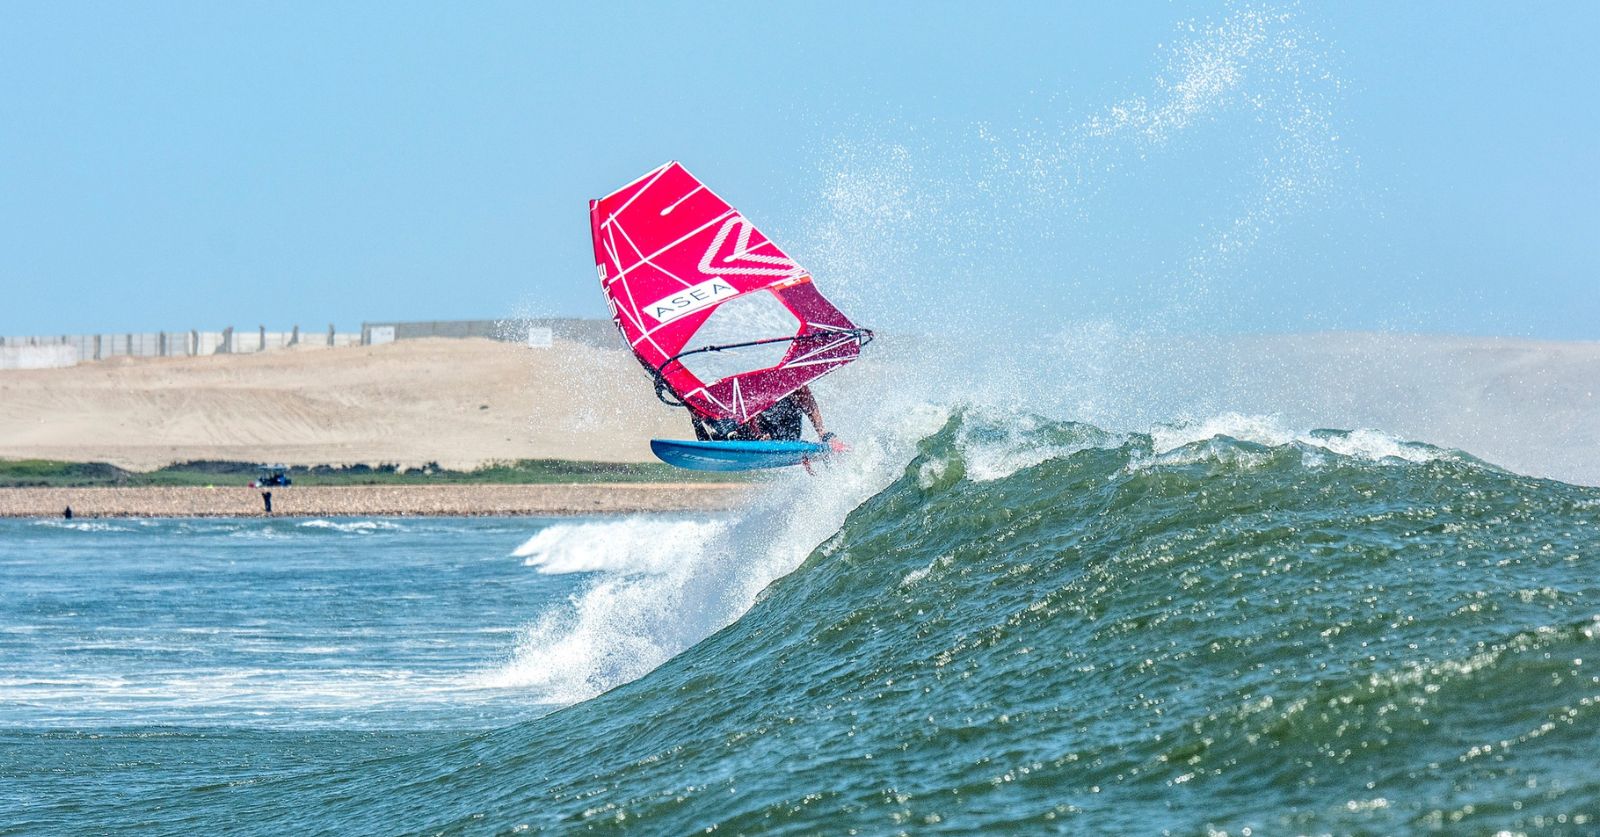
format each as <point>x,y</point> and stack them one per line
<point>1215,627</point>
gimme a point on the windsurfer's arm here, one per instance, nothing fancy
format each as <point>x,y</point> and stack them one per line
<point>808,404</point>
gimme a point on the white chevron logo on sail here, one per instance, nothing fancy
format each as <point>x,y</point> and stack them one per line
<point>742,262</point>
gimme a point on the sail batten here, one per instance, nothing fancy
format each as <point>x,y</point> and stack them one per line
<point>717,313</point>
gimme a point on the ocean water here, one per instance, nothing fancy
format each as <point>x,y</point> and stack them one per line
<point>1004,626</point>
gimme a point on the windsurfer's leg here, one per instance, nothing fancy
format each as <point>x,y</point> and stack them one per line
<point>716,430</point>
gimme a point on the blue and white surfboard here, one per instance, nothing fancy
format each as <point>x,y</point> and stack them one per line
<point>735,455</point>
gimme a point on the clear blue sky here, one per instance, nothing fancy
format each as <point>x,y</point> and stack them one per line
<point>1417,166</point>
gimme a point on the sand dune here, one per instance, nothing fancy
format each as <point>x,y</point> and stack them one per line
<point>1532,406</point>
<point>456,402</point>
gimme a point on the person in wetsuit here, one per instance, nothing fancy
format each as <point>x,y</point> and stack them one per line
<point>782,421</point>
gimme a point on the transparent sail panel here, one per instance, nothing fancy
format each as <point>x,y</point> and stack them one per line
<point>753,316</point>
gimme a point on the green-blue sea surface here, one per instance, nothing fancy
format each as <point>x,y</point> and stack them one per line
<point>1057,630</point>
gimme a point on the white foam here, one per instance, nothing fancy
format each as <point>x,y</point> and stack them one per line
<point>82,525</point>
<point>931,473</point>
<point>662,585</point>
<point>995,443</point>
<point>631,545</point>
<point>1263,430</point>
<point>994,446</point>
<point>1367,444</point>
<point>222,695</point>
<point>351,526</point>
<point>1376,445</point>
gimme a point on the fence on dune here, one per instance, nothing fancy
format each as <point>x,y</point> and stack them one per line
<point>54,351</point>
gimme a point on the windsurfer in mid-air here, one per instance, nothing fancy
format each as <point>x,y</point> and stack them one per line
<point>726,323</point>
<point>780,422</point>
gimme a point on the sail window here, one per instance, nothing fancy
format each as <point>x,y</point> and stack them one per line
<point>744,319</point>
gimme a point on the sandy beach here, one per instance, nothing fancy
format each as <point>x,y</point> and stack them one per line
<point>1528,405</point>
<point>373,500</point>
<point>458,402</point>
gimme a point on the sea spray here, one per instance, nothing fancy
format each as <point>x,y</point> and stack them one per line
<point>642,544</point>
<point>660,586</point>
<point>1153,209</point>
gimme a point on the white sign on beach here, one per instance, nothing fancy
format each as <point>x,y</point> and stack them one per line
<point>540,337</point>
<point>378,335</point>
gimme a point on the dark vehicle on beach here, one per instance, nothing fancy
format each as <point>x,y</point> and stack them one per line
<point>272,476</point>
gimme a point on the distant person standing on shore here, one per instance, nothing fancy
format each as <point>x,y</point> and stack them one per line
<point>271,476</point>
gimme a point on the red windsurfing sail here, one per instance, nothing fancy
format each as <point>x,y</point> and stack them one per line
<point>720,316</point>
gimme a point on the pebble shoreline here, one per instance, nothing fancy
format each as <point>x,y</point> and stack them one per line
<point>374,500</point>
